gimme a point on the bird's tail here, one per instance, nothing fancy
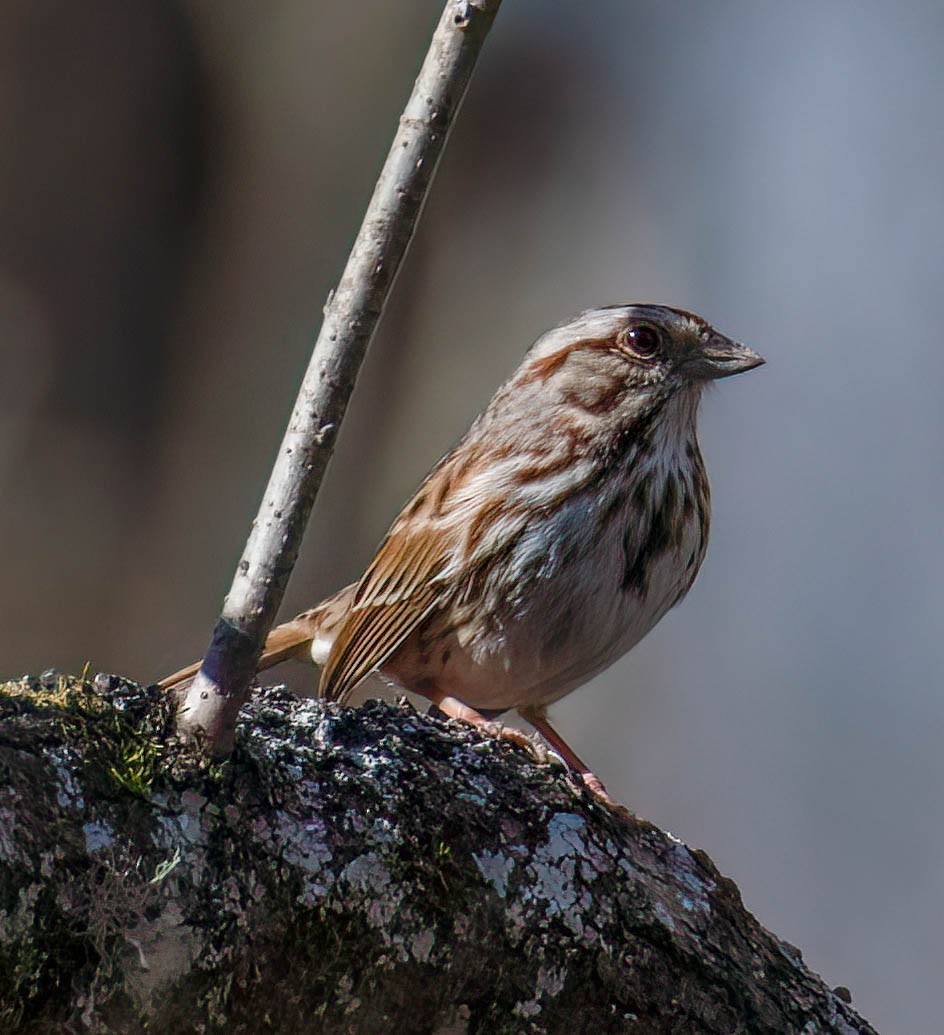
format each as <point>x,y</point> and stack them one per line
<point>307,637</point>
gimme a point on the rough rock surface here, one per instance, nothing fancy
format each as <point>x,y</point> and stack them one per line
<point>352,871</point>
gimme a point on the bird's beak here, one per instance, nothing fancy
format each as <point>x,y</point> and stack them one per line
<point>722,357</point>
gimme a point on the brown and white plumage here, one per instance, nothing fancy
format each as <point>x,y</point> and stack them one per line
<point>572,515</point>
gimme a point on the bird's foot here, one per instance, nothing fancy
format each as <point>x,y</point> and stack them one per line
<point>532,745</point>
<point>453,708</point>
<point>596,788</point>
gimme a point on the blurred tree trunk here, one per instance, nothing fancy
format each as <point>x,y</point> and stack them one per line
<point>351,871</point>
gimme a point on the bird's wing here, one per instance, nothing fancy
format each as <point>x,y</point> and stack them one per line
<point>398,591</point>
<point>395,595</point>
<point>442,529</point>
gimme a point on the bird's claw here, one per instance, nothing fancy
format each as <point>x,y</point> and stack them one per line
<point>534,748</point>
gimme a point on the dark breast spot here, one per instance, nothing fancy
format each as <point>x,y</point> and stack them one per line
<point>670,496</point>
<point>643,492</point>
<point>665,532</point>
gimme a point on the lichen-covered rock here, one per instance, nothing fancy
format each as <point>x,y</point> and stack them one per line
<point>351,870</point>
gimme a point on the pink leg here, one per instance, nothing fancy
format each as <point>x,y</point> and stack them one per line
<point>455,709</point>
<point>537,716</point>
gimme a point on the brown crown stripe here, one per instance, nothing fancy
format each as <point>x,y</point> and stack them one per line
<point>547,366</point>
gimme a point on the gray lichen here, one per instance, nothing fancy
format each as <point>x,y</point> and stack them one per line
<point>351,871</point>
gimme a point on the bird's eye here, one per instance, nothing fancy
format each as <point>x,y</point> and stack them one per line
<point>643,341</point>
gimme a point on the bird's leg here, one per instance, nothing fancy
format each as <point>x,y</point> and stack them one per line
<point>537,716</point>
<point>456,709</point>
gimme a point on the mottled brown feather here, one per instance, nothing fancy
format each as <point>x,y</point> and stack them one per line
<point>394,596</point>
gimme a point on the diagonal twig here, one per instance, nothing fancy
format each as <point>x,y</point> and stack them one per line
<point>209,707</point>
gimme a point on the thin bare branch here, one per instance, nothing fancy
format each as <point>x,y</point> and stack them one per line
<point>209,708</point>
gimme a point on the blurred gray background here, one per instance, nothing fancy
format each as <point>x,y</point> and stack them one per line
<point>179,186</point>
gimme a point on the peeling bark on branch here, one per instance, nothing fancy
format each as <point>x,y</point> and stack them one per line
<point>352,871</point>
<point>209,708</point>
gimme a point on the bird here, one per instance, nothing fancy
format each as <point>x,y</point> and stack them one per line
<point>566,522</point>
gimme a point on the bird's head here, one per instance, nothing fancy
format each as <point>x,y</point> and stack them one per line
<point>604,352</point>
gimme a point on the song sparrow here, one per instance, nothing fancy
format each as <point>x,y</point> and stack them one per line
<point>572,515</point>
